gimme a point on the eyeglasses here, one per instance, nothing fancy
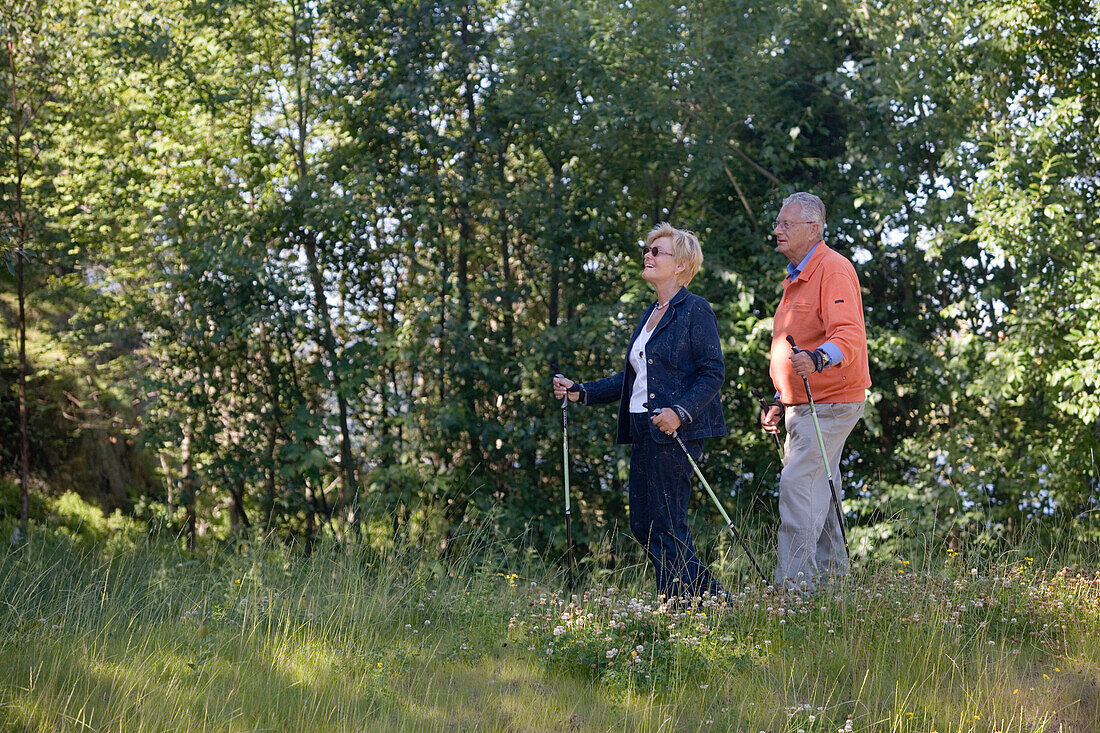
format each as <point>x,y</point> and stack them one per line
<point>786,225</point>
<point>653,251</point>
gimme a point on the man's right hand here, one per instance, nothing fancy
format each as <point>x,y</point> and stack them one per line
<point>561,387</point>
<point>770,417</point>
<point>802,363</point>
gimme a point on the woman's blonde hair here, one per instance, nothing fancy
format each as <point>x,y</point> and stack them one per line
<point>685,248</point>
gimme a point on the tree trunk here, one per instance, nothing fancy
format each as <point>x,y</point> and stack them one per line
<point>22,236</point>
<point>455,512</point>
<point>274,377</point>
<point>349,486</point>
<point>24,436</point>
<point>169,486</point>
<point>188,488</point>
<point>557,257</point>
<point>238,515</point>
<point>312,495</point>
<point>268,504</point>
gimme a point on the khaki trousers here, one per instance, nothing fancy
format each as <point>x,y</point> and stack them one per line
<point>810,542</point>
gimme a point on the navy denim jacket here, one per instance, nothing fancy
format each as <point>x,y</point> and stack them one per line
<point>684,367</point>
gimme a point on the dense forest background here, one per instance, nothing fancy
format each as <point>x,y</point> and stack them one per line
<point>301,268</point>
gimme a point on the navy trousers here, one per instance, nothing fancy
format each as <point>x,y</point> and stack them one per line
<point>660,488</point>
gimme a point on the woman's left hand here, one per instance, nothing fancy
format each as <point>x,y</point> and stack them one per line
<point>667,421</point>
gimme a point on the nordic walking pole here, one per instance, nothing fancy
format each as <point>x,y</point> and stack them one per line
<point>729,522</point>
<point>824,456</point>
<point>565,465</point>
<point>766,406</point>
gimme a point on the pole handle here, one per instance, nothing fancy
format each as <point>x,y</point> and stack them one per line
<point>765,405</point>
<point>564,397</point>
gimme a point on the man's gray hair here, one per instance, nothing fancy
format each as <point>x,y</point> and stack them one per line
<point>812,207</point>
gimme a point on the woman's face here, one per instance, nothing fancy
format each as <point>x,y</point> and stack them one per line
<point>659,265</point>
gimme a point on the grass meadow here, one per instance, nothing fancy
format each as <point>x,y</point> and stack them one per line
<point>100,635</point>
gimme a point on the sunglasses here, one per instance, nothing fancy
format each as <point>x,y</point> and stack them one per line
<point>653,251</point>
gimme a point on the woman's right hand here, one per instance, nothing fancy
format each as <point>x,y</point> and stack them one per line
<point>561,387</point>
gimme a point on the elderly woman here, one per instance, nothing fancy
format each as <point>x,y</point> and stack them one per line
<point>669,383</point>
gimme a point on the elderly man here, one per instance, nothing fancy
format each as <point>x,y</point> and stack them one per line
<point>822,310</point>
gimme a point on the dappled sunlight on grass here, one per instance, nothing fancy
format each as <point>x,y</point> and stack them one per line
<point>911,650</point>
<point>151,640</point>
<point>161,684</point>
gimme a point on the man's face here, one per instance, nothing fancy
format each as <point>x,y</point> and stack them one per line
<point>794,236</point>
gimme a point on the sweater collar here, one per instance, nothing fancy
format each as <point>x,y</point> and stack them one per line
<point>793,271</point>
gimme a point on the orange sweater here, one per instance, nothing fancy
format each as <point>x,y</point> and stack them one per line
<point>822,304</point>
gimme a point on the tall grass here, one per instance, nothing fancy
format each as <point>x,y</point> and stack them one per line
<point>149,638</point>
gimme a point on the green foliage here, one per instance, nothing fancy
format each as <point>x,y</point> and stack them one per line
<point>999,432</point>
<point>330,253</point>
<point>73,519</point>
<point>84,523</point>
<point>10,503</point>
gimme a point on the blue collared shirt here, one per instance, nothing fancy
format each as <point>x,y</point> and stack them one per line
<point>793,271</point>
